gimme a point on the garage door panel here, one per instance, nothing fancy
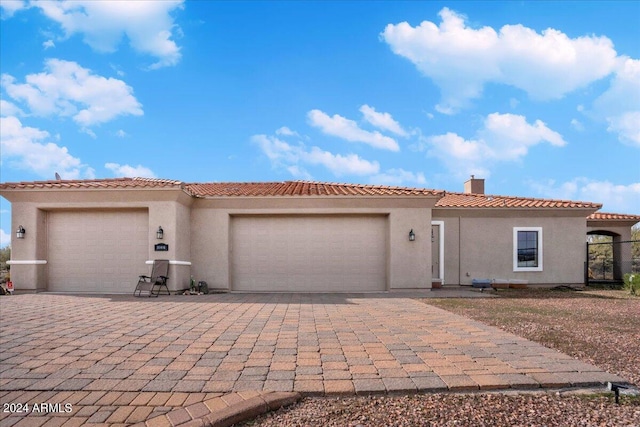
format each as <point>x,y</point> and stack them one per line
<point>309,253</point>
<point>96,251</point>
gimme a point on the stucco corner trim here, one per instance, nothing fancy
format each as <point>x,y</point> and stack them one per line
<point>172,262</point>
<point>27,262</point>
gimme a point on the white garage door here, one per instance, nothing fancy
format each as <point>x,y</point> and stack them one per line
<point>97,251</point>
<point>308,253</point>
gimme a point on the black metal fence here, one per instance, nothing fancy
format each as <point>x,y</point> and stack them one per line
<point>610,261</point>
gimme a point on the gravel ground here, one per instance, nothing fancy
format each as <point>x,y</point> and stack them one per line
<point>494,410</point>
<point>599,327</point>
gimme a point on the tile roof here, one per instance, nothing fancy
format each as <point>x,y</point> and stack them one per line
<point>465,200</point>
<point>93,183</point>
<point>302,188</point>
<point>604,216</point>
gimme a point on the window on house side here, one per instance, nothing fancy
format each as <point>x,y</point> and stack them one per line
<point>527,249</point>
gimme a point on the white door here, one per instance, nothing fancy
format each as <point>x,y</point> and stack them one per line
<point>437,251</point>
<point>96,251</point>
<point>312,253</point>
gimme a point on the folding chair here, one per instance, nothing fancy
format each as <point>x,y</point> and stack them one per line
<point>154,283</point>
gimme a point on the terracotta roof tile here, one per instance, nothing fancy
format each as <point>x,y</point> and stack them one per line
<point>465,200</point>
<point>301,188</point>
<point>94,183</point>
<point>604,216</point>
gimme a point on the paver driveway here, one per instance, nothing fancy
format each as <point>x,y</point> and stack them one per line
<point>283,342</point>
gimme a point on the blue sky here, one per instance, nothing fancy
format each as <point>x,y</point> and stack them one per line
<point>542,99</point>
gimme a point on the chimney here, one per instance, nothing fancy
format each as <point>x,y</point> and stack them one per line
<point>474,186</point>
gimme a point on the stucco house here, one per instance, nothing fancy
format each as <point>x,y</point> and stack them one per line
<point>295,236</point>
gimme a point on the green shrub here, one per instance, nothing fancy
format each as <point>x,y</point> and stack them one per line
<point>632,283</point>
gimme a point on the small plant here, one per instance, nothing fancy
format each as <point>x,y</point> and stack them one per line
<point>632,283</point>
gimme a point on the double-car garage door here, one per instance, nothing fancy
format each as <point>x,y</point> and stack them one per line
<point>96,251</point>
<point>308,253</point>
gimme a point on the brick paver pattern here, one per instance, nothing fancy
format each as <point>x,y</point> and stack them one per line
<point>135,355</point>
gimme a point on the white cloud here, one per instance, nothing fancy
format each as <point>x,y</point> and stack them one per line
<point>130,171</point>
<point>382,121</point>
<point>461,60</point>
<point>48,44</point>
<point>294,157</point>
<point>9,109</point>
<point>398,177</point>
<point>617,198</point>
<point>285,131</point>
<point>5,238</point>
<point>25,147</point>
<point>348,130</point>
<point>121,134</point>
<point>350,164</point>
<point>503,138</point>
<point>67,89</point>
<point>577,125</point>
<point>619,106</point>
<point>9,7</point>
<point>147,25</point>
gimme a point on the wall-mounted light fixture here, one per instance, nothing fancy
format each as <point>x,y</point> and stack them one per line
<point>20,232</point>
<point>160,233</point>
<point>412,235</point>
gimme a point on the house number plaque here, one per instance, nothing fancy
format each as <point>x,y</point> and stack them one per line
<point>161,247</point>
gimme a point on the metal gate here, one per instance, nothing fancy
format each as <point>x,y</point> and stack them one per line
<point>610,261</point>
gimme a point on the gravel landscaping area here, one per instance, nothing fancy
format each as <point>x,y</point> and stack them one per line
<point>601,327</point>
<point>477,410</point>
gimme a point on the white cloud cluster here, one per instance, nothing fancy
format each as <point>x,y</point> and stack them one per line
<point>349,130</point>
<point>130,171</point>
<point>503,138</point>
<point>615,198</point>
<point>9,7</point>
<point>382,121</point>
<point>26,148</point>
<point>620,104</point>
<point>147,25</point>
<point>461,60</point>
<point>67,89</point>
<point>294,157</point>
<point>9,109</point>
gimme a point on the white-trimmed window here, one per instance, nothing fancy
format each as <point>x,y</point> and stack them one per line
<point>527,248</point>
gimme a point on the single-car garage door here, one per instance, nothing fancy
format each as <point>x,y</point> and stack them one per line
<point>312,253</point>
<point>96,251</point>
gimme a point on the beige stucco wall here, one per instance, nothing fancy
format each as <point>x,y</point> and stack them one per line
<point>169,208</point>
<point>29,274</point>
<point>409,263</point>
<point>479,244</point>
<point>197,230</point>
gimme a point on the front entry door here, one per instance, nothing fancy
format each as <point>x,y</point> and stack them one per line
<point>435,251</point>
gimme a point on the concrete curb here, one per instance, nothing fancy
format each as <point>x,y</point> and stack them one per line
<point>224,411</point>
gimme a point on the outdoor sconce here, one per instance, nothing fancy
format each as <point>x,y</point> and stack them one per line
<point>412,235</point>
<point>20,232</point>
<point>160,233</point>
